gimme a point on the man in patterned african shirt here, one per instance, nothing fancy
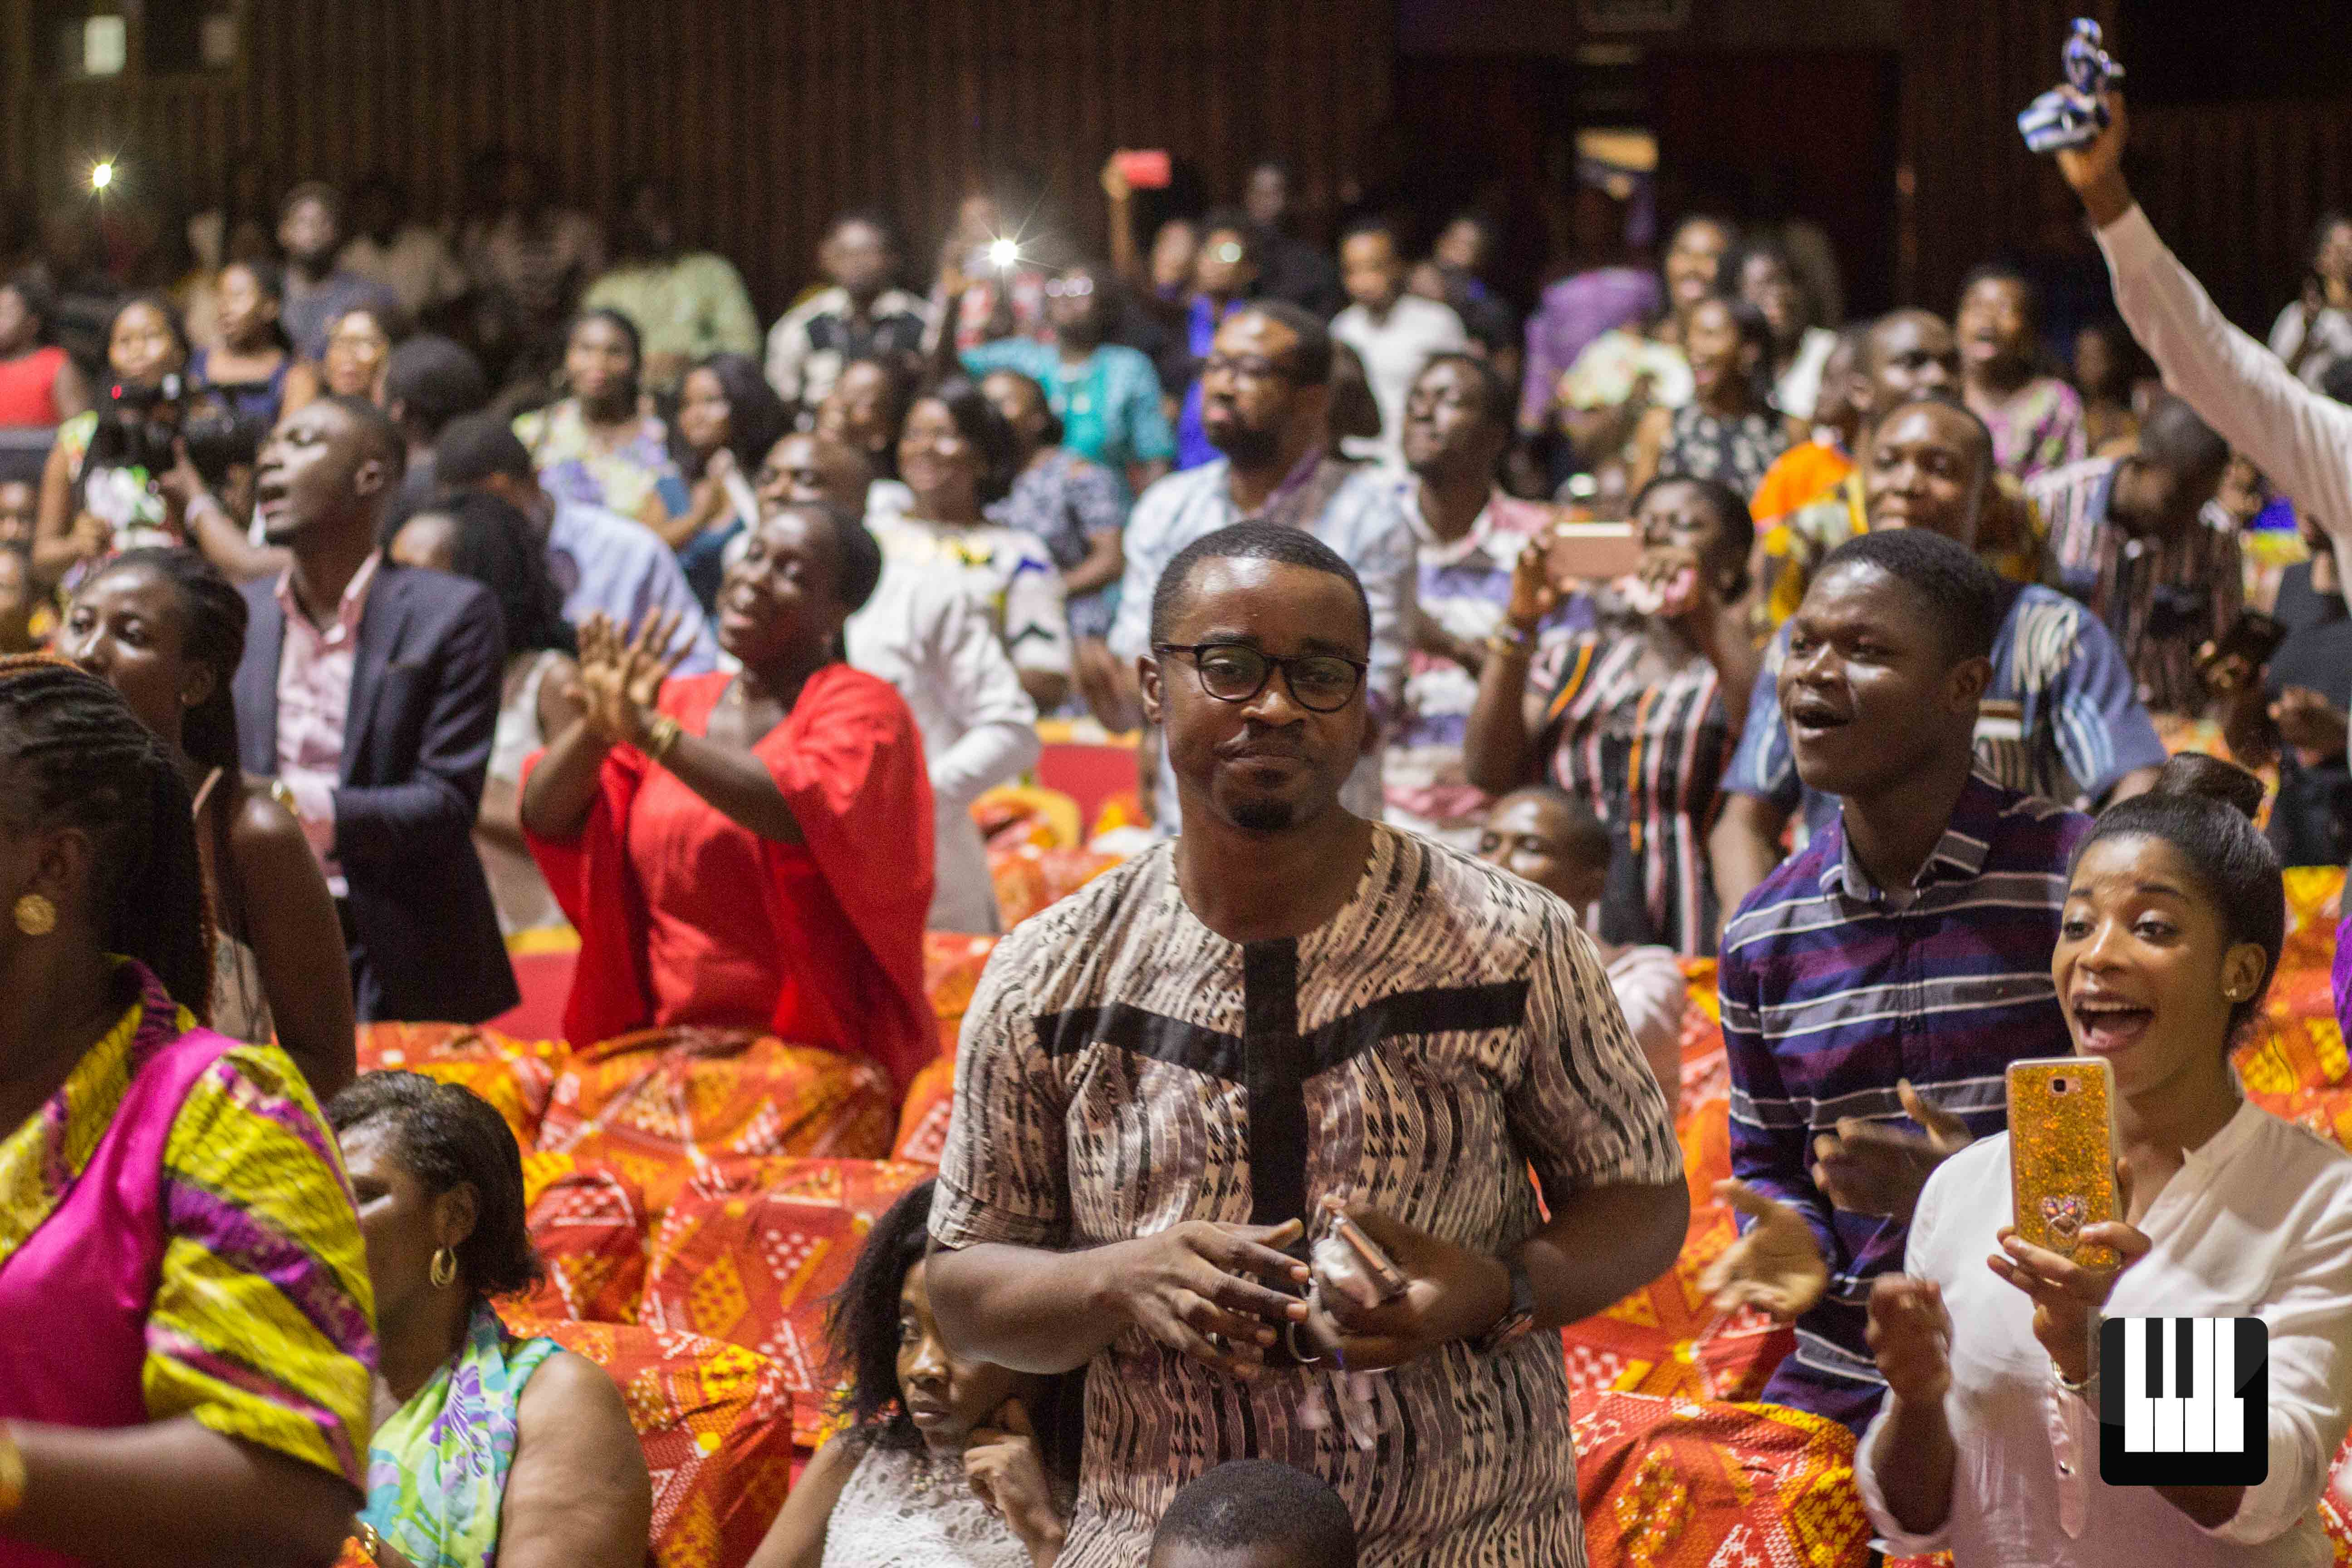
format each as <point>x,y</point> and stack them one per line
<point>1164,1078</point>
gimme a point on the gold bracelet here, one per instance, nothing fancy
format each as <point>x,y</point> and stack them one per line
<point>1511,641</point>
<point>12,1473</point>
<point>666,732</point>
<point>369,1541</point>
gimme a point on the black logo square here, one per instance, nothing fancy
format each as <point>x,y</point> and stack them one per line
<point>2184,1401</point>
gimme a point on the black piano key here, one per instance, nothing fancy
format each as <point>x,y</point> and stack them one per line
<point>2155,1344</point>
<point>2185,1370</point>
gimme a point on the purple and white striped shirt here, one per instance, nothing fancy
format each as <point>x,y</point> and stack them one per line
<point>1833,991</point>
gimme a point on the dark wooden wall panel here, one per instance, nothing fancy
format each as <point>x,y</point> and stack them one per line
<point>2237,187</point>
<point>766,117</point>
<point>1966,187</point>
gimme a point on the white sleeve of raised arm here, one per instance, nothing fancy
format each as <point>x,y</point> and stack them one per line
<point>2301,439</point>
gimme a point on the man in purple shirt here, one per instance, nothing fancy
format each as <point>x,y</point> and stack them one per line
<point>1886,975</point>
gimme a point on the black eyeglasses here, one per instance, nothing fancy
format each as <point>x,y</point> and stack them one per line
<point>1236,672</point>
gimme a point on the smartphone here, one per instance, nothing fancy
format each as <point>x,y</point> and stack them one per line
<point>1591,551</point>
<point>1145,170</point>
<point>1377,1262</point>
<point>2253,637</point>
<point>2062,1153</point>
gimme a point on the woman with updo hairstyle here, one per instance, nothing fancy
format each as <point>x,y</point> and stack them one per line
<point>488,1449</point>
<point>599,445</point>
<point>752,851</point>
<point>185,1361</point>
<point>165,629</point>
<point>1989,1444</point>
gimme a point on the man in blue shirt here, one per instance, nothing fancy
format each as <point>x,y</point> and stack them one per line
<point>599,560</point>
<point>2061,717</point>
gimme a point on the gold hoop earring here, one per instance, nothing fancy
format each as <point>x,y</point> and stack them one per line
<point>444,1272</point>
<point>35,916</point>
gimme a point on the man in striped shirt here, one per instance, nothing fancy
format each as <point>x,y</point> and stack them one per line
<point>2059,718</point>
<point>1896,966</point>
<point>2138,541</point>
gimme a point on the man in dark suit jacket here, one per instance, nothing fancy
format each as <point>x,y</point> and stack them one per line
<point>371,691</point>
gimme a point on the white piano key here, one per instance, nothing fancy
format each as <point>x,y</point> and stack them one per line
<point>2169,1408</point>
<point>2196,1419</point>
<point>2229,1410</point>
<point>2139,1411</point>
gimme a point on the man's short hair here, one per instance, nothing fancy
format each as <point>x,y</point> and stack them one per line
<point>1584,836</point>
<point>873,218</point>
<point>1958,592</point>
<point>1379,224</point>
<point>313,191</point>
<point>1497,404</point>
<point>434,380</point>
<point>1310,356</point>
<point>1249,541</point>
<point>474,447</point>
<point>1255,1504</point>
<point>1949,399</point>
<point>382,437</point>
<point>2171,435</point>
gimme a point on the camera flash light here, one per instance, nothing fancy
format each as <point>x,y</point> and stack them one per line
<point>1003,253</point>
<point>102,173</point>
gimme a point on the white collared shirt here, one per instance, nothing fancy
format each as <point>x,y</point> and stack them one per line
<point>924,635</point>
<point>315,668</point>
<point>2257,1223</point>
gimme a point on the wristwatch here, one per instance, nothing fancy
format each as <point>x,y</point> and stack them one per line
<point>1519,1319</point>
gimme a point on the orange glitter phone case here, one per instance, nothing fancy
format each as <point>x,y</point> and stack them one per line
<point>2061,1161</point>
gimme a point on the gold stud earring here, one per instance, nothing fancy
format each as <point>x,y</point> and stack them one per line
<point>444,1272</point>
<point>35,916</point>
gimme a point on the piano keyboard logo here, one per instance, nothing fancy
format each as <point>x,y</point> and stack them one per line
<point>2184,1401</point>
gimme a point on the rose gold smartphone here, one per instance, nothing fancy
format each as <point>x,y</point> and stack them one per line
<point>1591,551</point>
<point>2062,1153</point>
<point>1377,1262</point>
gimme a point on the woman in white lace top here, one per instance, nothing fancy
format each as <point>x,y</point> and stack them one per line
<point>947,1463</point>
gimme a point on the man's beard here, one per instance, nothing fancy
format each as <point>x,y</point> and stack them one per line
<point>1247,447</point>
<point>1263,815</point>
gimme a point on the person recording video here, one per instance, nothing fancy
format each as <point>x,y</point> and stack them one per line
<point>109,484</point>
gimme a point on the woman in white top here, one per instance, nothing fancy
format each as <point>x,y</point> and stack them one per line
<point>959,458</point>
<point>947,1463</point>
<point>479,536</point>
<point>1989,1444</point>
<point>2314,331</point>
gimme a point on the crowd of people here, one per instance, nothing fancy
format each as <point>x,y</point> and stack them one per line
<point>387,592</point>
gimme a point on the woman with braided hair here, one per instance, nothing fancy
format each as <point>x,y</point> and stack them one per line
<point>172,1215</point>
<point>165,629</point>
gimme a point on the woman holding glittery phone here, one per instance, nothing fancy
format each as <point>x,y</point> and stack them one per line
<point>1989,1447</point>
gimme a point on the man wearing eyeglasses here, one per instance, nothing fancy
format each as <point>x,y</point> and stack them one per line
<point>1264,395</point>
<point>1290,1027</point>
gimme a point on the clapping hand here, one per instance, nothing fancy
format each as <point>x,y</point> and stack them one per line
<point>1911,1336</point>
<point>2068,1297</point>
<point>1451,1293</point>
<point>1776,1266</point>
<point>1866,1167</point>
<point>1001,1462</point>
<point>620,678</point>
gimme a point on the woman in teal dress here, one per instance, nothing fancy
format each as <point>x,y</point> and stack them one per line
<point>1105,395</point>
<point>487,1449</point>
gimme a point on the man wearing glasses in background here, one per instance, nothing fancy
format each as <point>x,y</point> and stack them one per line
<point>1264,396</point>
<point>1169,1078</point>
